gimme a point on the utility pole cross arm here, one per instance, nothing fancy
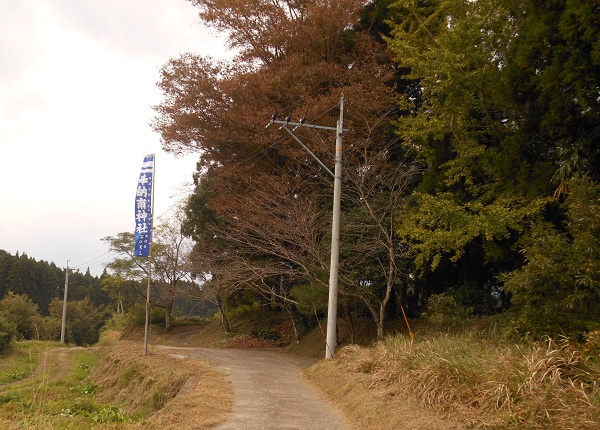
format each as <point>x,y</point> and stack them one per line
<point>300,124</point>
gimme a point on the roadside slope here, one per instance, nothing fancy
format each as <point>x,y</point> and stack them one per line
<point>171,391</point>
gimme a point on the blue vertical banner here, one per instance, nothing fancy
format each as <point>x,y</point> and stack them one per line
<point>143,208</point>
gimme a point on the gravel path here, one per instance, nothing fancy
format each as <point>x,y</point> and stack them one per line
<point>270,391</point>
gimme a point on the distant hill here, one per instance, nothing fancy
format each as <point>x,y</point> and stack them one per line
<point>43,281</point>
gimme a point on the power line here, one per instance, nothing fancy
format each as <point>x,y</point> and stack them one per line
<point>101,263</point>
<point>93,260</point>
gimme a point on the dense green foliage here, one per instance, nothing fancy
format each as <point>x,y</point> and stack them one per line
<point>19,310</point>
<point>7,333</point>
<point>485,183</point>
<point>558,290</point>
<point>40,280</point>
<point>507,114</point>
<point>83,323</point>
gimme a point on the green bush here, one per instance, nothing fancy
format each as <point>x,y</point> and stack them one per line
<point>47,328</point>
<point>19,310</point>
<point>83,320</point>
<point>7,333</point>
<point>445,310</point>
<point>136,316</point>
<point>312,299</point>
<point>266,334</point>
<point>479,300</point>
<point>116,322</point>
<point>108,414</point>
<point>557,292</point>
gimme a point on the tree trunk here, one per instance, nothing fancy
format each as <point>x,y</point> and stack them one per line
<point>391,279</point>
<point>380,332</point>
<point>291,315</point>
<point>168,314</point>
<point>378,317</point>
<point>169,306</point>
<point>224,320</point>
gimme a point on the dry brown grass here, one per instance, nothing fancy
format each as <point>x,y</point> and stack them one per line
<point>369,407</point>
<point>170,391</point>
<point>478,382</point>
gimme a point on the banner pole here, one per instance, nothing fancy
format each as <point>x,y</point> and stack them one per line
<point>148,301</point>
<point>146,327</point>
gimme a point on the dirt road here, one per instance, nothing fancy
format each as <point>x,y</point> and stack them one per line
<point>61,355</point>
<point>270,391</point>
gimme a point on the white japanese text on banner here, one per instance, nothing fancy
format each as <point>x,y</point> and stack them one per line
<point>143,208</point>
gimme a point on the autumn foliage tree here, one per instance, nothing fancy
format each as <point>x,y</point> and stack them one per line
<point>262,207</point>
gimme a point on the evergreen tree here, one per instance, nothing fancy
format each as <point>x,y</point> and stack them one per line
<point>6,261</point>
<point>558,291</point>
<point>508,102</point>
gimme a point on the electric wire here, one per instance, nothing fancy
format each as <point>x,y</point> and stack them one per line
<point>95,262</point>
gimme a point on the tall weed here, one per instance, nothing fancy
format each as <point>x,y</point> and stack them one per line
<point>486,382</point>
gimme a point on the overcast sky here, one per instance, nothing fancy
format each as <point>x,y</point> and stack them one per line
<point>77,82</point>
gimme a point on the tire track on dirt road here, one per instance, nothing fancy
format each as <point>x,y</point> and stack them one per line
<point>42,370</point>
<point>270,392</point>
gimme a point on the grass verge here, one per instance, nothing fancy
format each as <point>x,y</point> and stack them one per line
<point>22,360</point>
<point>163,390</point>
<point>470,380</point>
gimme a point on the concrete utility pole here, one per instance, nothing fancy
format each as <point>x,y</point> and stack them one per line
<point>64,313</point>
<point>331,340</point>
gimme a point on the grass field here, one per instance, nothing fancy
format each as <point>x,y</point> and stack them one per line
<point>43,384</point>
<point>112,386</point>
